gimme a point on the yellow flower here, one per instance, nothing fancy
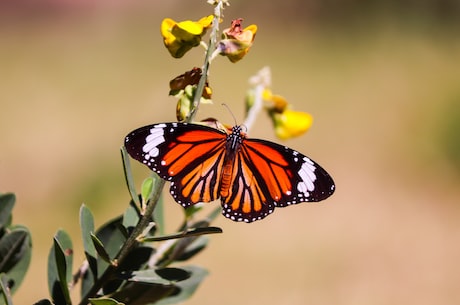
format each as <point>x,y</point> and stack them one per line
<point>277,102</point>
<point>288,123</point>
<point>236,41</point>
<point>180,37</point>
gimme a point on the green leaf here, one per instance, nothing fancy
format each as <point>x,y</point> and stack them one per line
<point>112,238</point>
<point>87,228</point>
<point>104,301</point>
<point>65,242</point>
<point>193,248</point>
<point>11,245</point>
<point>136,258</point>
<point>60,268</point>
<point>138,293</point>
<point>87,282</point>
<point>147,190</point>
<point>130,218</point>
<point>189,233</point>
<point>6,206</point>
<point>129,176</point>
<point>111,235</point>
<point>5,291</point>
<point>216,212</point>
<point>100,248</point>
<point>187,287</point>
<point>15,255</point>
<point>191,210</point>
<point>148,276</point>
<point>164,276</point>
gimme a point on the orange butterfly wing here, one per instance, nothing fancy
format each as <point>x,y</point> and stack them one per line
<point>268,175</point>
<point>251,176</point>
<point>191,156</point>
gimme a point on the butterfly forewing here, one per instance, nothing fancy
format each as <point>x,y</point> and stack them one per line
<point>302,180</point>
<point>190,156</point>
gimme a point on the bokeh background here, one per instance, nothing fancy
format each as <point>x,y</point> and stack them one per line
<point>381,78</point>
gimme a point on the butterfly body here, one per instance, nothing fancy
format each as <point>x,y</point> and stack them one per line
<point>250,176</point>
<point>232,146</point>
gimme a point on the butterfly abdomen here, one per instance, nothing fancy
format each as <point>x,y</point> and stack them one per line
<point>233,143</point>
<point>226,179</point>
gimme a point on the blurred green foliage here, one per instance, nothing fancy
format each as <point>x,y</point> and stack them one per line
<point>449,131</point>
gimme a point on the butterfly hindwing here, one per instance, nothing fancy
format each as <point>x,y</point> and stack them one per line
<point>189,155</point>
<point>247,199</point>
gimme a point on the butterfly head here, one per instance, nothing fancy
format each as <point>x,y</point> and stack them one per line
<point>235,138</point>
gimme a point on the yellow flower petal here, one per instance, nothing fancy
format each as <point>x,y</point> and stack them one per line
<point>279,103</point>
<point>206,22</point>
<point>289,123</point>
<point>191,27</point>
<point>267,94</point>
<point>180,37</point>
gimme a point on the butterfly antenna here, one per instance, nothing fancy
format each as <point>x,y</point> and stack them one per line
<point>229,110</point>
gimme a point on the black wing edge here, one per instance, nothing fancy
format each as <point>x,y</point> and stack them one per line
<point>324,184</point>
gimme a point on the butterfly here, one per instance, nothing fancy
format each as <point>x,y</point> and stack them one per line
<point>250,176</point>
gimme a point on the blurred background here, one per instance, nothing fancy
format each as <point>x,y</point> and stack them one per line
<point>381,78</point>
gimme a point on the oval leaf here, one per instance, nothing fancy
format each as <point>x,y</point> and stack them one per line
<point>148,276</point>
<point>100,248</point>
<point>60,266</point>
<point>11,245</point>
<point>130,218</point>
<point>6,206</point>
<point>18,264</point>
<point>187,287</point>
<point>194,248</point>
<point>87,228</point>
<point>147,190</point>
<point>111,236</point>
<point>139,293</point>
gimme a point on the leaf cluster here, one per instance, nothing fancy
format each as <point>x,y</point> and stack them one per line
<point>15,250</point>
<point>128,259</point>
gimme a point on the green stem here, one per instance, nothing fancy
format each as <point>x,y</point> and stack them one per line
<point>207,60</point>
<point>130,243</point>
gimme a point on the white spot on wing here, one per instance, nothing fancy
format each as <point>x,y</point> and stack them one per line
<point>155,138</point>
<point>307,174</point>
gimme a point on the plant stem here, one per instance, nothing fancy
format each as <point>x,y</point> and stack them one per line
<point>207,60</point>
<point>259,82</point>
<point>130,243</point>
